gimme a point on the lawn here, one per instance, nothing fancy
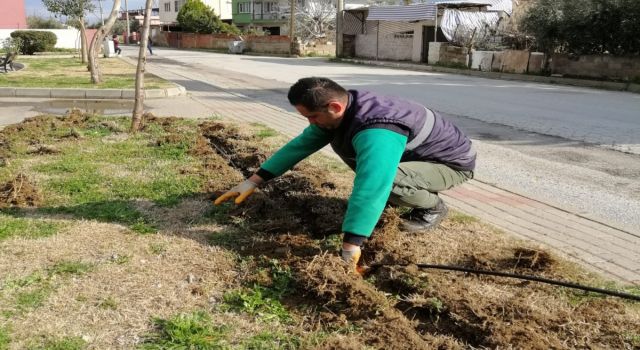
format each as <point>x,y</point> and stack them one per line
<point>110,240</point>
<point>49,72</point>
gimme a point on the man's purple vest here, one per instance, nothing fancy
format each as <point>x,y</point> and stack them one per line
<point>430,137</point>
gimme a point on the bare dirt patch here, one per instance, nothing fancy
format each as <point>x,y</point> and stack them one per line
<point>19,192</point>
<point>432,309</point>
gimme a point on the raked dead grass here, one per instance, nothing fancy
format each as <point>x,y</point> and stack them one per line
<point>121,248</point>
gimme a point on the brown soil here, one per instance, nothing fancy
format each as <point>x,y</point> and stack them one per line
<point>19,192</point>
<point>434,309</point>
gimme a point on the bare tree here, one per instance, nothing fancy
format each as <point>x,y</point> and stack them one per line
<point>74,10</point>
<point>96,75</point>
<point>138,107</point>
<point>315,19</point>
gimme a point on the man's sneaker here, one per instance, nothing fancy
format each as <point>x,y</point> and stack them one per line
<point>420,219</point>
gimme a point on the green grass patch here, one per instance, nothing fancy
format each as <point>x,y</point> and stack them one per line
<point>256,302</point>
<point>462,219</point>
<point>264,131</point>
<point>53,72</point>
<point>157,248</point>
<point>632,338</point>
<point>5,338</point>
<point>69,268</point>
<point>119,211</point>
<point>101,177</point>
<point>66,343</point>
<point>272,341</point>
<point>31,279</point>
<point>186,331</point>
<point>281,280</point>
<point>108,303</point>
<point>11,227</point>
<point>26,300</point>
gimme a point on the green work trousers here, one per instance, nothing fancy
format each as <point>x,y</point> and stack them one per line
<point>417,184</point>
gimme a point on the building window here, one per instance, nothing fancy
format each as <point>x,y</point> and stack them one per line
<point>403,35</point>
<point>167,7</point>
<point>175,6</point>
<point>271,7</point>
<point>244,7</point>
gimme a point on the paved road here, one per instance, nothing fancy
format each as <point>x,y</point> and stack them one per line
<point>603,117</point>
<point>543,158</point>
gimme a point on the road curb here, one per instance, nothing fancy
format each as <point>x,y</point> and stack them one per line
<point>97,94</point>
<point>606,85</point>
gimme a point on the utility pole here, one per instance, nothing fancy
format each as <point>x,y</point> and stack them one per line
<point>126,13</point>
<point>292,27</point>
<point>339,28</point>
<point>101,14</point>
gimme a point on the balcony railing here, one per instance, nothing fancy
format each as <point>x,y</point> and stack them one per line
<point>270,16</point>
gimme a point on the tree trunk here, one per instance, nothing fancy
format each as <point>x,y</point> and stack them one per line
<point>96,76</point>
<point>83,40</point>
<point>138,107</point>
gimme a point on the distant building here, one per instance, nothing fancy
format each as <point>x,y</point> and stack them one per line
<point>272,16</point>
<point>138,15</point>
<point>13,15</point>
<point>169,10</point>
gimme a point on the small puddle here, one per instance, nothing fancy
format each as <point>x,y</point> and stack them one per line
<point>101,107</point>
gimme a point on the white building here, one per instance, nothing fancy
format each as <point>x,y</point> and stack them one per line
<point>169,9</point>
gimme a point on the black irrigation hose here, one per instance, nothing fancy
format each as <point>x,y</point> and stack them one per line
<point>527,278</point>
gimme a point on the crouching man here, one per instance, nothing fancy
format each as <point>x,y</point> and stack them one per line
<point>401,152</point>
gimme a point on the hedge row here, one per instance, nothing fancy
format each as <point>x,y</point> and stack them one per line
<point>35,41</point>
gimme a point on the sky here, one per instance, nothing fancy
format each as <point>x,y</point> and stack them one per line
<point>35,7</point>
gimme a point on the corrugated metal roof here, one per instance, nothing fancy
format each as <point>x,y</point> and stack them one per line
<point>416,12</point>
<point>427,11</point>
<point>493,5</point>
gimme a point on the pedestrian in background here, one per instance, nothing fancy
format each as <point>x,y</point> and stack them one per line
<point>116,44</point>
<point>149,43</point>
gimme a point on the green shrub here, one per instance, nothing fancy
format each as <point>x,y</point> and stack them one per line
<point>229,29</point>
<point>196,17</point>
<point>585,27</point>
<point>35,41</point>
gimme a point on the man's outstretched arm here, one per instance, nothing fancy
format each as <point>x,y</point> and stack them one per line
<point>310,141</point>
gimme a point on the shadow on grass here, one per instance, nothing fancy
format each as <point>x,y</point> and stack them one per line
<point>124,212</point>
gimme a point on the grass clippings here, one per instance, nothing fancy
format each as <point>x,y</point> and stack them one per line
<point>123,249</point>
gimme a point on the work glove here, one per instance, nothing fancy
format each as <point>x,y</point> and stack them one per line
<point>351,257</point>
<point>240,192</point>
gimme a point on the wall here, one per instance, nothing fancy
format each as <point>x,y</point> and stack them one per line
<point>67,38</point>
<point>171,15</point>
<point>12,14</point>
<point>319,49</point>
<point>597,66</point>
<point>386,41</point>
<point>434,52</point>
<point>192,41</point>
<point>366,44</point>
<point>515,61</point>
<point>508,61</point>
<point>481,60</point>
<point>276,44</point>
<point>453,55</point>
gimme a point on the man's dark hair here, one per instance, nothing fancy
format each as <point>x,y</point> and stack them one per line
<point>314,93</point>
